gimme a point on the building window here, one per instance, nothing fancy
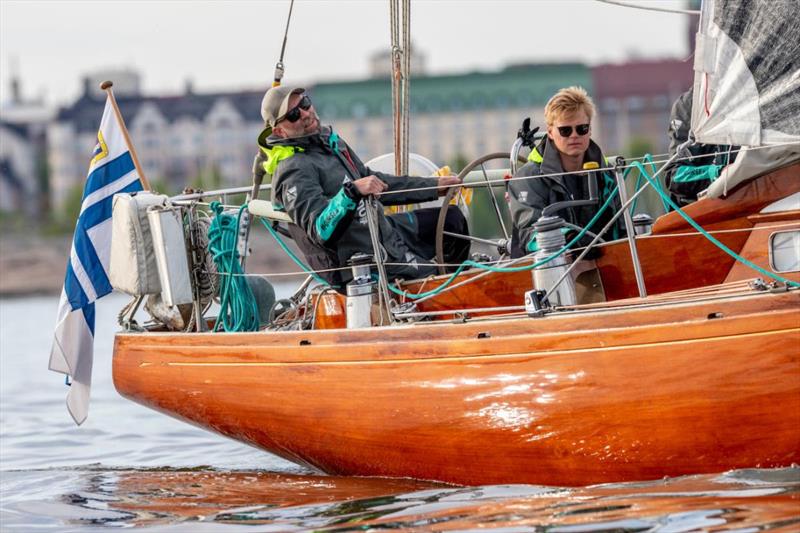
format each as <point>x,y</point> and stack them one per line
<point>502,100</point>
<point>660,102</point>
<point>609,105</point>
<point>329,111</point>
<point>359,110</point>
<point>635,103</point>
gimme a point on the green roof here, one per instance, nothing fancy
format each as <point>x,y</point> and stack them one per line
<point>515,86</point>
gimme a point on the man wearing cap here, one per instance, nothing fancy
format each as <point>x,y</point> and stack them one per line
<point>321,183</point>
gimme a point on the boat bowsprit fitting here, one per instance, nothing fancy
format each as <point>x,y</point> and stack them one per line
<point>550,239</point>
<point>360,293</point>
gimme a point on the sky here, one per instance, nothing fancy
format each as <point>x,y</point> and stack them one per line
<point>232,45</point>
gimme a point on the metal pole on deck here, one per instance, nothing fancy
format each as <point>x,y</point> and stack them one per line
<point>626,214</point>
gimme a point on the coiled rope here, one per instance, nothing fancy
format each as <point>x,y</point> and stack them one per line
<point>238,308</point>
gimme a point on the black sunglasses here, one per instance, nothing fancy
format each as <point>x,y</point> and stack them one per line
<point>580,129</point>
<point>293,115</point>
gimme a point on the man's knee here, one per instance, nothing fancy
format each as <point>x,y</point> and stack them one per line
<point>428,218</point>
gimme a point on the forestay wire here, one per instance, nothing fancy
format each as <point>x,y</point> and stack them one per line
<point>279,66</point>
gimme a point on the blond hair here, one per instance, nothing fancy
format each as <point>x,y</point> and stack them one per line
<point>567,102</point>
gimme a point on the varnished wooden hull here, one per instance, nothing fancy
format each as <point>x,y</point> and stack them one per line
<point>688,385</point>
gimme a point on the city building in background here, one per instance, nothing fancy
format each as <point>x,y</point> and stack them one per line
<point>208,140</point>
<point>18,183</point>
<point>453,117</point>
<point>634,100</point>
<point>23,153</point>
<point>201,140</point>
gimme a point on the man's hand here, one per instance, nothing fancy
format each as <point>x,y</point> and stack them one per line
<point>370,185</point>
<point>445,182</point>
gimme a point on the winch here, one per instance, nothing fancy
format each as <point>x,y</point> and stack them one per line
<point>360,293</point>
<point>550,240</point>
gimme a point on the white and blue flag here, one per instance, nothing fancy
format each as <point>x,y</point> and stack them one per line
<point>111,171</point>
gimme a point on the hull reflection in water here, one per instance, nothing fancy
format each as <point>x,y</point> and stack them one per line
<point>743,500</point>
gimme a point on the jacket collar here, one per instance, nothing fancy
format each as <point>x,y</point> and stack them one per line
<point>321,139</point>
<point>551,162</point>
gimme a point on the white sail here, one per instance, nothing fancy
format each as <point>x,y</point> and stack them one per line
<point>747,73</point>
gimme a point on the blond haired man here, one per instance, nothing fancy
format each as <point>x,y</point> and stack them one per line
<point>565,149</point>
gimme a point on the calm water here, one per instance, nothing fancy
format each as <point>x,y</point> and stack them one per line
<point>129,466</point>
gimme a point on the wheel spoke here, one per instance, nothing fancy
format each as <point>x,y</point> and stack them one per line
<point>494,201</point>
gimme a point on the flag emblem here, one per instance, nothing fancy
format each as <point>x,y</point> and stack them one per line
<point>100,149</point>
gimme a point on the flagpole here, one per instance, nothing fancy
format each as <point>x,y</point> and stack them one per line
<point>106,86</point>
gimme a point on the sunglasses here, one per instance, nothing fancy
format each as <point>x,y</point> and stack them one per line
<point>580,129</point>
<point>293,115</point>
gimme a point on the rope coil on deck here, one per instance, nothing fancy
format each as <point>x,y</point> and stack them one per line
<point>239,311</point>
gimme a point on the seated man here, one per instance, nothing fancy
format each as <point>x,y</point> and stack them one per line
<point>566,148</point>
<point>687,177</point>
<point>321,183</point>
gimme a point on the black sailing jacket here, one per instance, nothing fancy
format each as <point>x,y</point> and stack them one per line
<point>330,227</point>
<point>527,198</point>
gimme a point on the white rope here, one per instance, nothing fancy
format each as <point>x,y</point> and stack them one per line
<point>400,31</point>
<point>406,78</point>
<point>650,8</point>
<point>374,234</point>
<point>507,262</point>
<point>555,174</point>
<point>655,162</point>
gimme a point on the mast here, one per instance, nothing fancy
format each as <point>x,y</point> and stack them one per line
<point>400,28</point>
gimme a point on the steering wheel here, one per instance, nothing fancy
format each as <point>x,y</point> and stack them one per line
<point>452,191</point>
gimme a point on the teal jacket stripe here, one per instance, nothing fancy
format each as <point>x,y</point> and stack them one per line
<point>686,174</point>
<point>337,208</point>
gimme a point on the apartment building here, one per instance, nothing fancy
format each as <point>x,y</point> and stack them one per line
<point>634,100</point>
<point>177,138</point>
<point>454,117</point>
<point>23,177</point>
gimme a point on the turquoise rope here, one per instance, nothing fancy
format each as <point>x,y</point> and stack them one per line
<point>719,245</point>
<point>293,257</point>
<point>238,308</point>
<point>470,263</point>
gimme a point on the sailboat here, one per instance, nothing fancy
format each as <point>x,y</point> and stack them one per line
<point>675,351</point>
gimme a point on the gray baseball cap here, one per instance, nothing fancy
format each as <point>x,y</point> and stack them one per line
<point>275,103</point>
